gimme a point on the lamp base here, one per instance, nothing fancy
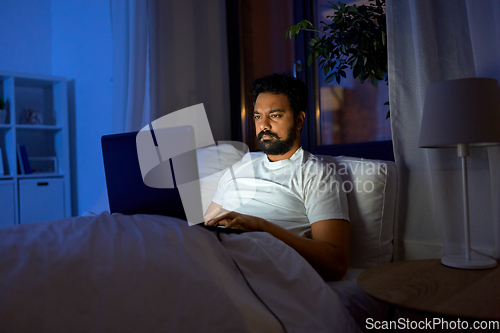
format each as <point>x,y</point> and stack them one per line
<point>477,261</point>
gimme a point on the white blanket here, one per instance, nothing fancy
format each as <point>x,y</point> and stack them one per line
<point>146,273</point>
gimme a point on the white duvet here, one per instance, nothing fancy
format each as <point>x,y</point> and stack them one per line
<point>146,273</point>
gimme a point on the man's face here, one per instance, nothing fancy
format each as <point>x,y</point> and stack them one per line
<point>276,127</point>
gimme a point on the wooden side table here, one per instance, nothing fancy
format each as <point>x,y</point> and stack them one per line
<point>430,287</point>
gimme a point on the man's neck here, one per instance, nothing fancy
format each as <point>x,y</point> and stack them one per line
<point>287,155</point>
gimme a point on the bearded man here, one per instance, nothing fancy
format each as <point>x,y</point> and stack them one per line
<point>291,194</point>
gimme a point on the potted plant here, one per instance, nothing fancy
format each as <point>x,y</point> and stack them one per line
<point>3,111</point>
<point>355,39</point>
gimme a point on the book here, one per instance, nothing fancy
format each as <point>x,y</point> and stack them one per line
<point>20,165</point>
<point>26,162</point>
<point>46,164</point>
<point>2,171</point>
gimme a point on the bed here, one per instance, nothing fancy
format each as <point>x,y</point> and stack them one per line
<point>153,273</point>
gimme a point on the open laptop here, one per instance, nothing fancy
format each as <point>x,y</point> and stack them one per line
<point>127,192</point>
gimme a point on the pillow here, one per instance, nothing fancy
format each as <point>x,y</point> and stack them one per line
<point>371,194</point>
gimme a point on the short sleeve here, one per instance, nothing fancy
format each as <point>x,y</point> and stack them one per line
<point>324,198</point>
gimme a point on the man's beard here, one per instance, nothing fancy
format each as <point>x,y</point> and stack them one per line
<point>278,146</point>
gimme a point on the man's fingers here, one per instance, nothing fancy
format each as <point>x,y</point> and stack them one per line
<point>212,223</point>
<point>214,213</point>
<point>208,217</point>
<point>229,224</point>
<point>235,223</point>
<point>229,215</point>
<point>229,220</point>
<point>217,222</point>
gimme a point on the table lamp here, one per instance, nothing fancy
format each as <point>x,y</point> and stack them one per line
<point>460,113</point>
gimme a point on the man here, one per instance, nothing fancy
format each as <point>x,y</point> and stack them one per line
<point>293,196</point>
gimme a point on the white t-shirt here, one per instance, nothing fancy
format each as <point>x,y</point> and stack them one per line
<point>292,193</point>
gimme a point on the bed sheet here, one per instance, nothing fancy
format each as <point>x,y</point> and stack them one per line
<point>141,273</point>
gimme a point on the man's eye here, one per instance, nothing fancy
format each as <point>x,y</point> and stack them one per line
<point>256,117</point>
<point>275,115</point>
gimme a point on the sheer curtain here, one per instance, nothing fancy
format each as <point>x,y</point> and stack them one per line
<point>188,60</point>
<point>131,111</point>
<point>129,26</point>
<point>431,41</point>
<point>168,55</point>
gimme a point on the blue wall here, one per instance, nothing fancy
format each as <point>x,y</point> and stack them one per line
<point>26,36</point>
<point>70,39</point>
<point>82,50</point>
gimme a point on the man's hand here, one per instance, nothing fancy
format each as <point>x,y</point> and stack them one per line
<point>235,220</point>
<point>214,210</point>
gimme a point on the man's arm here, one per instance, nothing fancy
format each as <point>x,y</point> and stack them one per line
<point>327,252</point>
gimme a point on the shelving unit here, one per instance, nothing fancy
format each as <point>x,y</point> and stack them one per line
<point>38,196</point>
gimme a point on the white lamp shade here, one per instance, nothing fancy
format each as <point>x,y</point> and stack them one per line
<point>463,111</point>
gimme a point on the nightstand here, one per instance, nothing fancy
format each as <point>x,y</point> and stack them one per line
<point>427,286</point>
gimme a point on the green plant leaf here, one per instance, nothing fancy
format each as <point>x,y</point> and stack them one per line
<point>310,60</point>
<point>356,71</point>
<point>337,78</point>
<point>329,78</point>
<point>306,24</point>
<point>352,37</point>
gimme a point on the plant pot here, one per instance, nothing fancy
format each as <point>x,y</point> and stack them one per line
<point>3,116</point>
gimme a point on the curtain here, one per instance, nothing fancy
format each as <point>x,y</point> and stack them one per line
<point>129,27</point>
<point>188,59</point>
<point>431,41</point>
<point>168,55</point>
<point>131,111</point>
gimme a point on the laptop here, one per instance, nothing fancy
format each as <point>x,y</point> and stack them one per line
<point>127,192</point>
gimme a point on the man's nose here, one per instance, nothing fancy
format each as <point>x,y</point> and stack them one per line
<point>264,124</point>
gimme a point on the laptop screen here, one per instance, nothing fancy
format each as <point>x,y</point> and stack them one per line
<point>127,192</point>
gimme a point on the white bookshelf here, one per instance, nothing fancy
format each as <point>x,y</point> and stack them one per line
<point>45,193</point>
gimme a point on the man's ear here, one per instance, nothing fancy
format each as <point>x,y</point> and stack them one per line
<point>300,120</point>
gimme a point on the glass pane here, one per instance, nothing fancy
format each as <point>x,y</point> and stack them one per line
<point>349,112</point>
<point>264,51</point>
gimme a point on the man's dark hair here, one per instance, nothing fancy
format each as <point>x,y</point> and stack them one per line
<point>293,88</point>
